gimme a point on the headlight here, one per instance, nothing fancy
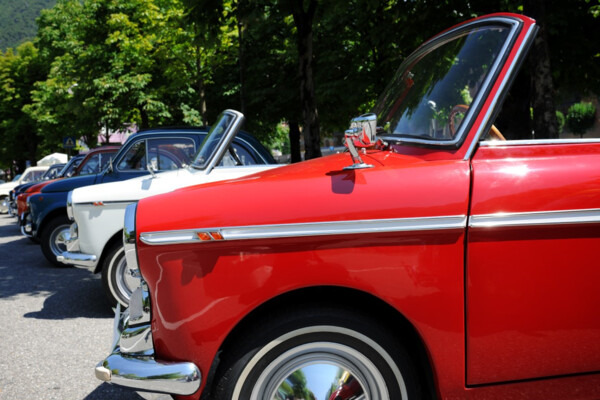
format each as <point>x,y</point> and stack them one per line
<point>70,206</point>
<point>129,237</point>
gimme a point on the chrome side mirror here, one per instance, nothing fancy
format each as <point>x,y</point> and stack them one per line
<point>362,132</point>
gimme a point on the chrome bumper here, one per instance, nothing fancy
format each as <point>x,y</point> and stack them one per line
<point>87,261</point>
<point>12,208</point>
<point>132,363</point>
<point>73,256</point>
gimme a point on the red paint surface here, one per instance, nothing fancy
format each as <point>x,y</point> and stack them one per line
<point>532,295</point>
<point>531,309</point>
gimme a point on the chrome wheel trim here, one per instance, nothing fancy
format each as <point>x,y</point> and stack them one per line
<point>122,278</point>
<point>321,352</point>
<point>58,239</point>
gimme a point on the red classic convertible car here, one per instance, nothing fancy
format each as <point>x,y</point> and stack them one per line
<point>439,258</point>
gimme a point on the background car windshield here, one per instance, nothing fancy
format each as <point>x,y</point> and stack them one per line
<point>212,140</point>
<point>430,94</point>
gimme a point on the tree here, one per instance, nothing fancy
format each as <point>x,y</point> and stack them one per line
<point>18,131</point>
<point>304,15</point>
<point>116,63</point>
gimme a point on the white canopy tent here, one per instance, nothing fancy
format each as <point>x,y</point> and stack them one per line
<point>53,158</point>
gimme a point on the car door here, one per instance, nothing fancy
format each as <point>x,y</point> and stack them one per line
<point>532,264</point>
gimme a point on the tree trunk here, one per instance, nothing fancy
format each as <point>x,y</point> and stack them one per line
<point>514,120</point>
<point>310,130</point>
<point>145,119</point>
<point>295,142</point>
<point>545,124</point>
<point>200,82</point>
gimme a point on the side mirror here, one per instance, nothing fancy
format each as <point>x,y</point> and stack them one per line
<point>361,134</point>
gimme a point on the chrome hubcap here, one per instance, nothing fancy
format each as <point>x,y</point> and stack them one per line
<point>321,370</point>
<point>58,239</point>
<point>126,279</point>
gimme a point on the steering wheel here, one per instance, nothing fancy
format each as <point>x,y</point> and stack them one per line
<point>494,133</point>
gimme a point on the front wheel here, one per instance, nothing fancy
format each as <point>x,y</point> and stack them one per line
<point>316,353</point>
<point>118,280</point>
<point>54,239</point>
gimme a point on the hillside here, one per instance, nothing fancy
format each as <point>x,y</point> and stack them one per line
<point>17,20</point>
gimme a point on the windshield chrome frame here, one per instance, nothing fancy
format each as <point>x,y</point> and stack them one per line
<point>514,25</point>
<point>230,132</point>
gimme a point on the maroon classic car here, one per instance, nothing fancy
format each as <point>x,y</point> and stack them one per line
<point>438,258</point>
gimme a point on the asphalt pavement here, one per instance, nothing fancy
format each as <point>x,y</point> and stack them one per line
<point>55,326</point>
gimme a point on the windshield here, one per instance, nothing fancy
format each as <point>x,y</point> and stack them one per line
<point>434,89</point>
<point>71,165</point>
<point>215,137</point>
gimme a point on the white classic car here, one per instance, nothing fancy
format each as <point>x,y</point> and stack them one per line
<point>95,241</point>
<point>31,174</point>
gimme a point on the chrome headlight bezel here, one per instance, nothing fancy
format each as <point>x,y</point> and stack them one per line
<point>129,237</point>
<point>70,206</point>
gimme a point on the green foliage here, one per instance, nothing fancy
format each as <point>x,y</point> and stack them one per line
<point>581,117</point>
<point>280,140</point>
<point>560,118</point>
<point>595,9</point>
<point>18,132</point>
<point>17,20</point>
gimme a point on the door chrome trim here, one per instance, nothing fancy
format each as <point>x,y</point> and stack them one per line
<point>561,217</point>
<point>304,229</point>
<point>547,142</point>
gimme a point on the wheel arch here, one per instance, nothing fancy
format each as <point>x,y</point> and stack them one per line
<point>117,237</point>
<point>345,299</point>
<point>55,212</point>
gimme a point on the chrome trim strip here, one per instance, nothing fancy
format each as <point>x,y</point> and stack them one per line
<point>524,45</point>
<point>496,143</point>
<point>232,131</point>
<point>535,218</point>
<point>308,229</point>
<point>470,117</point>
<point>92,203</point>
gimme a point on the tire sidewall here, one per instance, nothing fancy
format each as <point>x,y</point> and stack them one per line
<point>56,224</point>
<point>359,333</point>
<point>109,279</point>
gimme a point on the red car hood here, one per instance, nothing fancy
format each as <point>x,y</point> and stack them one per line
<point>319,190</point>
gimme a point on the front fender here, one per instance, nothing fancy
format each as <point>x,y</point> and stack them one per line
<point>43,207</point>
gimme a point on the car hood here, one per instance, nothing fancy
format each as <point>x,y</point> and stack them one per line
<point>8,186</point>
<point>38,186</point>
<point>68,184</point>
<point>144,186</point>
<point>319,190</point>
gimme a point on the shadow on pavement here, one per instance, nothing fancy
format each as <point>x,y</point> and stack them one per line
<point>107,391</point>
<point>71,292</point>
